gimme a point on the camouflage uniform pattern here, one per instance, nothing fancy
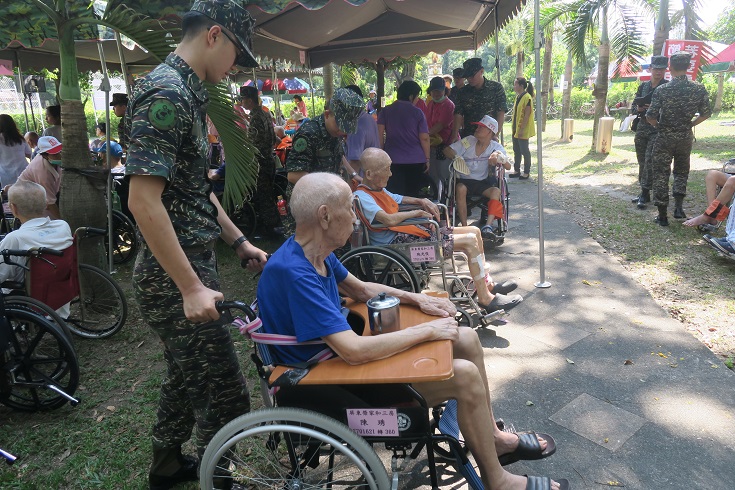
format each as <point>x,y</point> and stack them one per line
<point>645,135</point>
<point>675,105</point>
<point>203,383</point>
<point>474,103</point>
<point>263,136</point>
<point>313,149</point>
<point>123,133</point>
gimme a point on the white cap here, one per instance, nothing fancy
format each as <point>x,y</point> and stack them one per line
<point>49,144</point>
<point>489,123</point>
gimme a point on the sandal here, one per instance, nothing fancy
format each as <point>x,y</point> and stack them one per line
<point>502,302</point>
<point>487,232</point>
<point>504,288</point>
<point>529,448</point>
<point>544,483</point>
<point>524,177</point>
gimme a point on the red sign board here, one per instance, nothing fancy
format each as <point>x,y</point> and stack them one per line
<point>673,46</point>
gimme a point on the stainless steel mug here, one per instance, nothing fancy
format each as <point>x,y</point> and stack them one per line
<point>384,314</point>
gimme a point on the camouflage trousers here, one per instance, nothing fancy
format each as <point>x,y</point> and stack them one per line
<point>264,200</point>
<point>668,146</point>
<point>644,141</point>
<point>203,388</point>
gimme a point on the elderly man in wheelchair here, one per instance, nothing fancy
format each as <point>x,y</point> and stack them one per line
<point>299,296</point>
<point>379,206</point>
<point>473,157</point>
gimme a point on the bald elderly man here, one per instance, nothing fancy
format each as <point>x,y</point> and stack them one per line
<point>380,206</point>
<point>298,294</point>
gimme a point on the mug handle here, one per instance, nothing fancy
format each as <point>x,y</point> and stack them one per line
<point>377,322</point>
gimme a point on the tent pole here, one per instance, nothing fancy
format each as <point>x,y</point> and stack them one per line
<point>542,283</point>
<point>311,88</point>
<point>105,87</point>
<point>497,61</point>
<point>22,91</point>
<point>123,65</point>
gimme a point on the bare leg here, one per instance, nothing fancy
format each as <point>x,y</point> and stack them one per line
<point>476,421</point>
<point>465,240</point>
<point>713,180</point>
<point>461,200</point>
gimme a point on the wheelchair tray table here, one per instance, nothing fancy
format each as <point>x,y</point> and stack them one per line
<point>428,361</point>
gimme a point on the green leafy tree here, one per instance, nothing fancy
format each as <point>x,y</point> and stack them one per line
<point>723,30</point>
<point>614,25</point>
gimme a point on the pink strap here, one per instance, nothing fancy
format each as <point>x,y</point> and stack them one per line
<point>251,331</point>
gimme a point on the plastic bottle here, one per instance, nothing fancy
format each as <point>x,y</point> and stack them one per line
<point>281,204</point>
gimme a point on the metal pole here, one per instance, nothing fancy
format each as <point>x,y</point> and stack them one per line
<point>542,283</point>
<point>311,88</point>
<point>22,90</point>
<point>497,61</point>
<point>123,66</point>
<point>105,87</point>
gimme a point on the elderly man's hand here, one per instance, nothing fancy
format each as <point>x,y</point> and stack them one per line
<point>442,328</point>
<point>430,207</point>
<point>432,305</point>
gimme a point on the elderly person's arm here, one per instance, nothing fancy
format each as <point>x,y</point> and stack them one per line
<point>363,291</point>
<point>499,158</point>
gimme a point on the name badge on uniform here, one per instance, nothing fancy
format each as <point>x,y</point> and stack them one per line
<point>466,143</point>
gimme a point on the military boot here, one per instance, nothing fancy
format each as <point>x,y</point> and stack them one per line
<point>679,207</point>
<point>661,219</point>
<point>644,198</point>
<point>170,468</point>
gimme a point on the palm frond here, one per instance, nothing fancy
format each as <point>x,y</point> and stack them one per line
<point>580,28</point>
<point>242,164</point>
<point>626,41</point>
<point>348,75</point>
<point>158,37</point>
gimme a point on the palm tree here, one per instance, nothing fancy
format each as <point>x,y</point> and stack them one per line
<point>614,25</point>
<point>82,186</point>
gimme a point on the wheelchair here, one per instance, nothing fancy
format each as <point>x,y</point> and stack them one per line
<point>447,196</point>
<point>310,439</point>
<point>728,168</point>
<point>410,267</point>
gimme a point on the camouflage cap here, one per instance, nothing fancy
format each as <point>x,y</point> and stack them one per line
<point>659,62</point>
<point>680,60</point>
<point>235,19</point>
<point>471,66</point>
<point>346,106</point>
<point>119,98</point>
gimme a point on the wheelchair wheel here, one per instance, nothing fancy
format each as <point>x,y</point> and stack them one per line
<point>38,355</point>
<point>245,219</point>
<point>464,319</point>
<point>100,309</point>
<point>291,449</point>
<point>455,291</point>
<point>381,265</point>
<point>34,306</point>
<point>125,244</point>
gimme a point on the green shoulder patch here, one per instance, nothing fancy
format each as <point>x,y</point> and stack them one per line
<point>162,114</point>
<point>300,144</point>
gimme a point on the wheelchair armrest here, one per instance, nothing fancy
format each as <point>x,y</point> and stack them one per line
<point>15,285</point>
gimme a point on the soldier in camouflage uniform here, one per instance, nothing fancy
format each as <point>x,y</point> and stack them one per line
<point>476,99</point>
<point>263,136</point>
<point>175,278</point>
<point>645,134</point>
<point>672,108</point>
<point>119,105</point>
<point>317,145</point>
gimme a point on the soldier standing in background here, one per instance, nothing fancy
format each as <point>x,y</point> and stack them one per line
<point>645,134</point>
<point>119,105</point>
<point>263,136</point>
<point>672,108</point>
<point>175,279</point>
<point>476,99</point>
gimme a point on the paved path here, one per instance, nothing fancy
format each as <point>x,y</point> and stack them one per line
<point>632,399</point>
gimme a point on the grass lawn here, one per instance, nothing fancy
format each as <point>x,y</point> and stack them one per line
<point>680,270</point>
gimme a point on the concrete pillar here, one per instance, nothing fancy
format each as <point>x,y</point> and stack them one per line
<point>567,133</point>
<point>603,142</point>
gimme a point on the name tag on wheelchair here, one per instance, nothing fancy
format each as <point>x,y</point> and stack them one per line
<point>376,422</point>
<point>423,253</point>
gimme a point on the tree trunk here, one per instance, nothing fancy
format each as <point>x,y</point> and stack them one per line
<point>566,99</point>
<point>546,78</point>
<point>408,71</point>
<point>520,58</point>
<point>663,26</point>
<point>328,71</point>
<point>600,91</point>
<point>380,85</point>
<point>720,90</point>
<point>82,201</point>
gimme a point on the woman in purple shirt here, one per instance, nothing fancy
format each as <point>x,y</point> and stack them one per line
<point>404,135</point>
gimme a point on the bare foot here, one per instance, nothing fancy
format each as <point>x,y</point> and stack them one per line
<point>509,481</point>
<point>702,219</point>
<point>507,442</point>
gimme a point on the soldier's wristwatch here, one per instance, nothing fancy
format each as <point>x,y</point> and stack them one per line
<point>236,244</point>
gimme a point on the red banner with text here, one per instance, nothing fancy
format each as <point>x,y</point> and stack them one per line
<point>673,46</point>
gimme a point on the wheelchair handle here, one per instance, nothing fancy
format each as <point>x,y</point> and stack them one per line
<point>226,317</point>
<point>50,251</point>
<point>96,231</point>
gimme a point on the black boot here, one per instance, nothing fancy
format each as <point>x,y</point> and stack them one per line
<point>170,468</point>
<point>644,198</point>
<point>679,207</point>
<point>661,219</point>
